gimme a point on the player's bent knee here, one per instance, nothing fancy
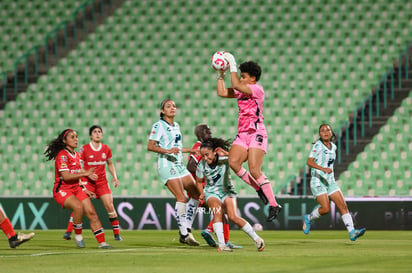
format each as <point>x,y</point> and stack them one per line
<point>324,210</point>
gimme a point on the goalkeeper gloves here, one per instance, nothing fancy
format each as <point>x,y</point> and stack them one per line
<point>231,60</point>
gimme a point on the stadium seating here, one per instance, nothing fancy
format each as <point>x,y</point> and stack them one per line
<point>319,60</point>
<point>25,24</point>
<point>385,158</point>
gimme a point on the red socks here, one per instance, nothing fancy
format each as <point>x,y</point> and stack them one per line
<point>7,228</point>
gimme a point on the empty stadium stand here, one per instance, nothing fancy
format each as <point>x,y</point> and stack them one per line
<point>320,60</point>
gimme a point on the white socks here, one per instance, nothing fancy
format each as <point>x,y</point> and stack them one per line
<point>314,214</point>
<point>249,231</point>
<point>347,220</point>
<point>191,210</point>
<point>180,213</point>
<point>218,228</point>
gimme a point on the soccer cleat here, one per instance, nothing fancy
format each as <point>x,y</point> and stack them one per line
<point>207,235</point>
<point>67,236</point>
<point>188,239</point>
<point>79,243</point>
<point>117,237</point>
<point>306,224</point>
<point>356,233</point>
<point>273,212</point>
<point>20,238</point>
<point>233,246</point>
<point>104,245</point>
<point>260,244</point>
<point>191,240</point>
<point>182,238</point>
<point>262,196</point>
<point>224,248</point>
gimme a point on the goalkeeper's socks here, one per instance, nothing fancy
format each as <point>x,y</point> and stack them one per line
<point>266,187</point>
<point>247,178</point>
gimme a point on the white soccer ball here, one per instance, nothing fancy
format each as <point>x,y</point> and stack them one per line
<point>219,63</point>
<point>257,227</point>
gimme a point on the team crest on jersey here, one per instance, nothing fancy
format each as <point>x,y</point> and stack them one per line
<point>63,193</point>
<point>63,158</point>
<point>104,155</point>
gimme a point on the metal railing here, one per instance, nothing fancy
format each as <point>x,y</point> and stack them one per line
<point>382,86</point>
<point>53,37</point>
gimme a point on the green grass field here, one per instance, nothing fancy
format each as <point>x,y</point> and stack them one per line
<point>160,251</point>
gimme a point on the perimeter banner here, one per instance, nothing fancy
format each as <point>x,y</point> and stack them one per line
<point>136,213</point>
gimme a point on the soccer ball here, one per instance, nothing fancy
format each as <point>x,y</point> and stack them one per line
<point>257,227</point>
<point>219,63</point>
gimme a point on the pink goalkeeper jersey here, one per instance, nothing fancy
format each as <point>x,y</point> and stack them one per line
<point>250,109</point>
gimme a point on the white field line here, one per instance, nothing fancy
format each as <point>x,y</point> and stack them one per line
<point>83,252</point>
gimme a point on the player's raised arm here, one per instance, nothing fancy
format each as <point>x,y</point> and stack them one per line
<point>222,91</point>
<point>221,64</point>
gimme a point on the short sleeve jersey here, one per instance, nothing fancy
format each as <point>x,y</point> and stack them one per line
<point>96,157</point>
<point>324,157</point>
<point>217,178</point>
<point>250,109</point>
<point>195,157</point>
<point>167,136</point>
<point>66,161</point>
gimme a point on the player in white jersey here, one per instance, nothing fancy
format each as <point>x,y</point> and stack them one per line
<point>323,184</point>
<point>219,191</point>
<point>166,140</point>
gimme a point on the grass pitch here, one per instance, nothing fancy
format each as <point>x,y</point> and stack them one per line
<point>160,251</point>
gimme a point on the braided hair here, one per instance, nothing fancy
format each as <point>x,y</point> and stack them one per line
<point>56,145</point>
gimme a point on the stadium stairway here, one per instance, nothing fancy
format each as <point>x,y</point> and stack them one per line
<point>77,31</point>
<point>378,121</point>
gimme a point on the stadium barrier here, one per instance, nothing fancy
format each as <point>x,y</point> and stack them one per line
<point>136,213</point>
<point>382,86</point>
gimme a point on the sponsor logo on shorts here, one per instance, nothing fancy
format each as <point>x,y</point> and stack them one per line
<point>259,139</point>
<point>172,171</point>
<point>63,193</point>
